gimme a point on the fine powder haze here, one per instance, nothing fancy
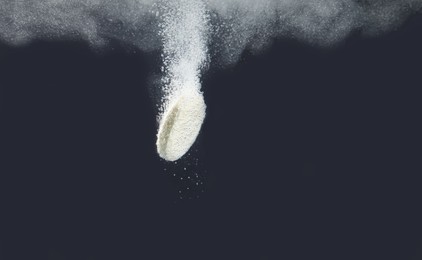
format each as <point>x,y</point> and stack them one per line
<point>234,24</point>
<point>192,33</point>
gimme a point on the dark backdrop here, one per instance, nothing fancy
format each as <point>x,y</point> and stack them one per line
<point>306,153</point>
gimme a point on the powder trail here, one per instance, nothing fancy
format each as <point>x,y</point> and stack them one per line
<point>184,32</point>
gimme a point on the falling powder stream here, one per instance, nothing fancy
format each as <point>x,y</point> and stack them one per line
<point>184,35</point>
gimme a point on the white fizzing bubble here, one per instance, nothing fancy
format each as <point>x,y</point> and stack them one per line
<point>184,35</point>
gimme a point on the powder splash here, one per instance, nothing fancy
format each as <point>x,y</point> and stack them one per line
<point>184,29</point>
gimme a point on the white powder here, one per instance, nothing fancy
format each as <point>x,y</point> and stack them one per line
<point>183,29</point>
<point>184,32</point>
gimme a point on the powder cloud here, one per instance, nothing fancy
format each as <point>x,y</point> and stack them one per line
<point>236,24</point>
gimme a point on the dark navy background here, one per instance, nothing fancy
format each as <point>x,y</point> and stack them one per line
<point>306,153</point>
